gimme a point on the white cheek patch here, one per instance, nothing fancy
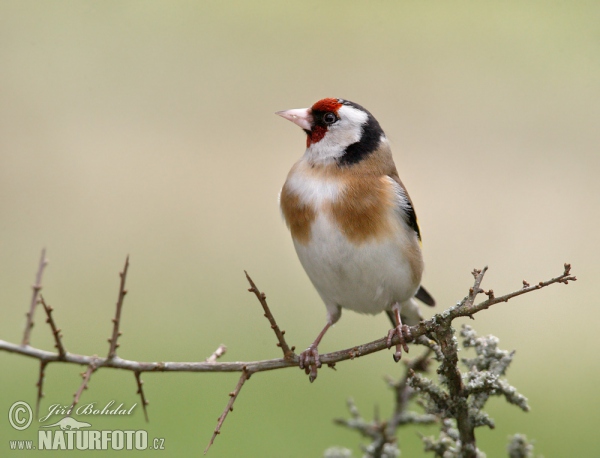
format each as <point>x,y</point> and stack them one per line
<point>352,115</point>
<point>339,136</point>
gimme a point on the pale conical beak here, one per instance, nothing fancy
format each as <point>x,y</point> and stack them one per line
<point>300,116</point>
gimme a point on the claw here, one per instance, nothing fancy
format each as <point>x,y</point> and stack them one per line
<point>403,333</point>
<point>310,362</point>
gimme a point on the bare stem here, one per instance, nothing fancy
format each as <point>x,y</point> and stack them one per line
<point>229,408</point>
<point>469,308</point>
<point>40,387</point>
<point>140,391</point>
<point>444,349</point>
<point>220,351</point>
<point>37,287</point>
<point>117,319</point>
<point>416,331</point>
<point>288,352</point>
<point>84,385</point>
<point>55,331</point>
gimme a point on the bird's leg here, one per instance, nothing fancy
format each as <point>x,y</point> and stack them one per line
<point>402,331</point>
<point>309,358</point>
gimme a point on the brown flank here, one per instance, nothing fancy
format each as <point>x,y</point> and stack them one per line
<point>298,216</point>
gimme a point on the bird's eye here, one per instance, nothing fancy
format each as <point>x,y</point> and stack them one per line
<point>329,118</point>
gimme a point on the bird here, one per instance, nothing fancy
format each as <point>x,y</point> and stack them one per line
<point>352,222</point>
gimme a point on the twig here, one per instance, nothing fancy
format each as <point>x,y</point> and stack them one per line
<point>232,397</point>
<point>55,331</point>
<point>220,351</point>
<point>470,309</point>
<point>440,325</point>
<point>84,385</point>
<point>37,287</point>
<point>416,331</point>
<point>404,392</point>
<point>117,319</point>
<point>475,290</point>
<point>288,353</point>
<point>140,391</point>
<point>40,387</point>
<point>358,423</point>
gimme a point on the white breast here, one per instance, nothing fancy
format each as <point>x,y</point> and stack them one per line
<point>367,278</point>
<point>312,190</point>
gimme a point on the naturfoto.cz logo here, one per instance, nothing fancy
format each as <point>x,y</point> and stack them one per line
<point>72,434</point>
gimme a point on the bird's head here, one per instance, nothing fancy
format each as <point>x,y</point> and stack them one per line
<point>337,131</point>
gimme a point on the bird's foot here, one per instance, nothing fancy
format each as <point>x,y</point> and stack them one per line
<point>403,333</point>
<point>310,362</point>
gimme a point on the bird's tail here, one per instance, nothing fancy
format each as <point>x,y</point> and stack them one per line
<point>425,297</point>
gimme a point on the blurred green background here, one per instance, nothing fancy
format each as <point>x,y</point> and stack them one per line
<point>147,128</point>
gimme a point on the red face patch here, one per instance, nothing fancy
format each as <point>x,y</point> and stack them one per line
<point>318,131</point>
<point>315,135</point>
<point>327,105</point>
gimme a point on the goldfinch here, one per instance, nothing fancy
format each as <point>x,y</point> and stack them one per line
<point>353,224</point>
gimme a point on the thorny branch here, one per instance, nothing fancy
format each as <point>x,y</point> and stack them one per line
<point>40,387</point>
<point>439,326</point>
<point>229,407</point>
<point>84,385</point>
<point>112,352</point>
<point>55,331</point>
<point>288,352</point>
<point>37,287</point>
<point>140,391</point>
